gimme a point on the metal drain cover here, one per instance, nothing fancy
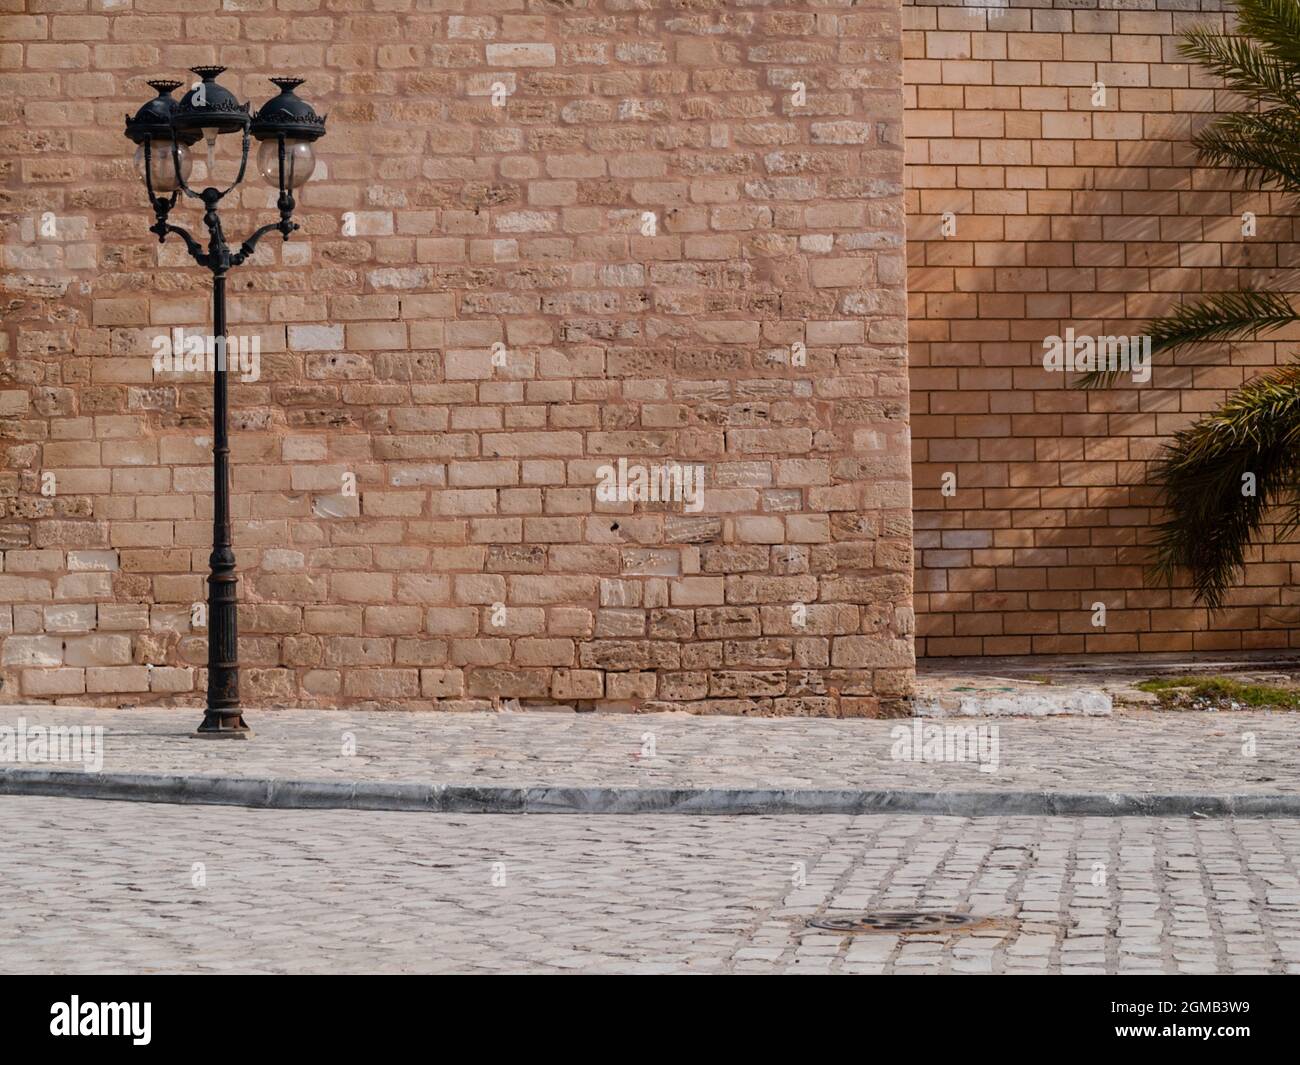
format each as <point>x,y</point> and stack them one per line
<point>897,921</point>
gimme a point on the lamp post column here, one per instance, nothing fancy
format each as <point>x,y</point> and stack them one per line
<point>223,715</point>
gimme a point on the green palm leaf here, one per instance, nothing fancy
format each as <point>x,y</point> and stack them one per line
<point>1245,66</point>
<point>1223,316</point>
<point>1205,474</point>
<point>1264,148</point>
<point>1275,24</point>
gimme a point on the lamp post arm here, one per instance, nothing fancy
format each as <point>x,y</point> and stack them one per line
<point>162,205</point>
<point>284,203</point>
<point>163,227</point>
<point>246,249</point>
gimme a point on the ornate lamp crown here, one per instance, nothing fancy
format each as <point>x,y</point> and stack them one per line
<point>154,119</point>
<point>288,115</point>
<point>210,106</point>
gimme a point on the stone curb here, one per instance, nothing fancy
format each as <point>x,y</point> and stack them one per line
<point>577,799</point>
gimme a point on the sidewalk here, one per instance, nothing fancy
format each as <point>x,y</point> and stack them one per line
<point>1131,762</point>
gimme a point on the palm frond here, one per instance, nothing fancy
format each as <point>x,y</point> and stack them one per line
<point>1206,471</point>
<point>1223,316</point>
<point>1275,24</point>
<point>1245,66</point>
<point>1264,148</point>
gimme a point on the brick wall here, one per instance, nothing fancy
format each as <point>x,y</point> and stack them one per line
<point>1068,215</point>
<point>757,330</point>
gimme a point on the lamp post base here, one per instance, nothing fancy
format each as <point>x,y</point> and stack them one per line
<point>218,726</point>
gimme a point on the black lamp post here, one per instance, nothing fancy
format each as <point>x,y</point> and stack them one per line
<point>166,130</point>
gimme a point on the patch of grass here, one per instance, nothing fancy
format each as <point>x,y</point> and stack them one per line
<point>1221,690</point>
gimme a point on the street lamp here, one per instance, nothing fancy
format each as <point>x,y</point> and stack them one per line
<point>166,131</point>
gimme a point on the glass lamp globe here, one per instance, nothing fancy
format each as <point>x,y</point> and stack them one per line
<point>299,161</point>
<point>162,170</point>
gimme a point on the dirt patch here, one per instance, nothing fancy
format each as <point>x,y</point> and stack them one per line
<point>1223,693</point>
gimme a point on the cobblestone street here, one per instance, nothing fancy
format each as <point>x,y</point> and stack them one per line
<point>90,886</point>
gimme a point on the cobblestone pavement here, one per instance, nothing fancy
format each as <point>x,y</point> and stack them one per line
<point>110,887</point>
<point>1133,750</point>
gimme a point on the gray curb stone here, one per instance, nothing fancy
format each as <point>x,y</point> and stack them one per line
<point>575,799</point>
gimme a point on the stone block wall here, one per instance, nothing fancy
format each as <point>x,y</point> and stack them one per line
<point>545,236</point>
<point>1070,210</point>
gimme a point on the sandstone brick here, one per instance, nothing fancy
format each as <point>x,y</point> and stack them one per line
<point>48,682</point>
<point>382,683</point>
<point>171,679</point>
<point>98,650</point>
<point>696,591</point>
<point>393,620</point>
<point>106,679</point>
<point>634,686</point>
<point>570,684</point>
<point>544,652</point>
<point>870,651</point>
<point>442,683</point>
<point>32,651</point>
<point>521,55</point>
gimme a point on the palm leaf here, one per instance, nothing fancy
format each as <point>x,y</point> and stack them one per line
<point>1264,148</point>
<point>1223,316</point>
<point>1245,67</point>
<point>1273,23</point>
<point>1211,519</point>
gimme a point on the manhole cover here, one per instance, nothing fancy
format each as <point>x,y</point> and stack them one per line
<point>897,921</point>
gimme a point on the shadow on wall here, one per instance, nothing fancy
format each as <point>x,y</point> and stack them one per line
<point>1053,193</point>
